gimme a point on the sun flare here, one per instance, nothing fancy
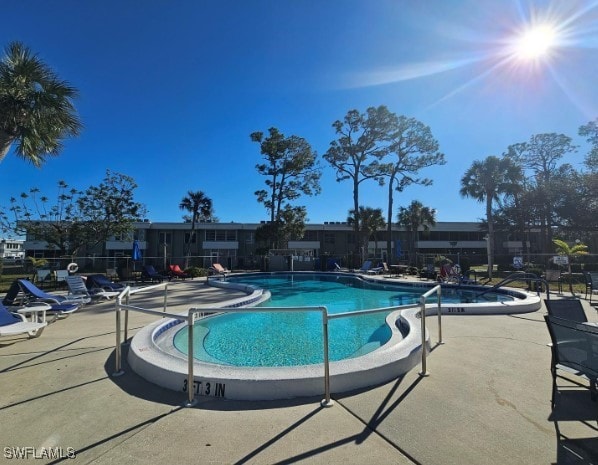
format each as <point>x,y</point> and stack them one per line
<point>536,43</point>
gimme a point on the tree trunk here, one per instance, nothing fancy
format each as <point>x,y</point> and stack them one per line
<point>5,143</point>
<point>188,252</point>
<point>356,255</point>
<point>490,234</point>
<point>389,255</point>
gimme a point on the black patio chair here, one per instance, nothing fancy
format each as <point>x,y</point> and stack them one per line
<point>575,351</point>
<point>591,279</point>
<point>569,309</point>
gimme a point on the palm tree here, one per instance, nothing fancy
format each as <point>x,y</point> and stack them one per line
<point>412,218</point>
<point>36,109</point>
<point>370,221</point>
<point>200,208</point>
<point>562,248</point>
<point>487,180</point>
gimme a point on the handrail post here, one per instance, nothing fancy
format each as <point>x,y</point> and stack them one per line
<point>190,386</point>
<point>422,300</point>
<point>117,349</point>
<point>127,297</point>
<point>165,297</point>
<point>438,294</point>
<point>326,402</point>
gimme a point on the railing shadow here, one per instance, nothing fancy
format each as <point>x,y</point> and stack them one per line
<point>134,385</point>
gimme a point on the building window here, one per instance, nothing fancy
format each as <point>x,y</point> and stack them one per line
<point>329,238</point>
<point>165,238</point>
<point>124,236</point>
<point>221,235</point>
<point>311,236</point>
<point>193,238</point>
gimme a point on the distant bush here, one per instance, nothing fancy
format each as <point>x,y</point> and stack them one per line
<point>196,272</point>
<point>535,270</point>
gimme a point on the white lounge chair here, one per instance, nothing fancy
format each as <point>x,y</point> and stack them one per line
<point>15,323</point>
<point>78,290</point>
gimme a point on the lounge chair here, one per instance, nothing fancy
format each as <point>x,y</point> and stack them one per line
<point>574,350</point>
<point>218,269</point>
<point>367,265</point>
<point>428,272</point>
<point>78,289</point>
<point>111,273</point>
<point>25,292</point>
<point>386,269</point>
<point>338,268</point>
<point>15,323</point>
<point>149,272</point>
<point>569,309</point>
<point>41,276</point>
<point>99,281</point>
<point>60,277</point>
<point>375,270</point>
<point>176,272</point>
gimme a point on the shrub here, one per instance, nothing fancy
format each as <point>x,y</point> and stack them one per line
<point>535,270</point>
<point>195,271</point>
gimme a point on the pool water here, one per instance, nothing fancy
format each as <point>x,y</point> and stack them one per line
<point>295,338</point>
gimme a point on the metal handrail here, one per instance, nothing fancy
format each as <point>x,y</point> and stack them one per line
<point>193,313</point>
<point>518,276</point>
<point>125,294</point>
<point>438,290</point>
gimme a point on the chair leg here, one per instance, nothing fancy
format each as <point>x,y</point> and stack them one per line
<point>553,399</point>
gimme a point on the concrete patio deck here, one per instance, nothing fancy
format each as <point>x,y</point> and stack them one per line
<point>486,401</point>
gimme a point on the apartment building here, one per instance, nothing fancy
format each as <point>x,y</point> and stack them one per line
<point>234,243</point>
<point>12,249</point>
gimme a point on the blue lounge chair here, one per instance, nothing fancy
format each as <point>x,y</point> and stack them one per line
<point>99,281</point>
<point>367,265</point>
<point>59,305</point>
<point>15,323</point>
<point>149,272</point>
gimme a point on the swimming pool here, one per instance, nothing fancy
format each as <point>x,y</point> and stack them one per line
<point>289,339</point>
<point>152,353</point>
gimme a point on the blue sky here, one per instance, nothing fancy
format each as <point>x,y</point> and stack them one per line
<point>171,90</point>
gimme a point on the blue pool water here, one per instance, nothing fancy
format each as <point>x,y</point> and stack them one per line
<point>295,338</point>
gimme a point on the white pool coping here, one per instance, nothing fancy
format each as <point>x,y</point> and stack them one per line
<point>153,356</point>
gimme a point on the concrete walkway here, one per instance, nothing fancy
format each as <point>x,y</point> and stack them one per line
<point>486,401</point>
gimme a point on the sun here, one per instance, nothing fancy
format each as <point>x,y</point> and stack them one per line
<point>535,43</point>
